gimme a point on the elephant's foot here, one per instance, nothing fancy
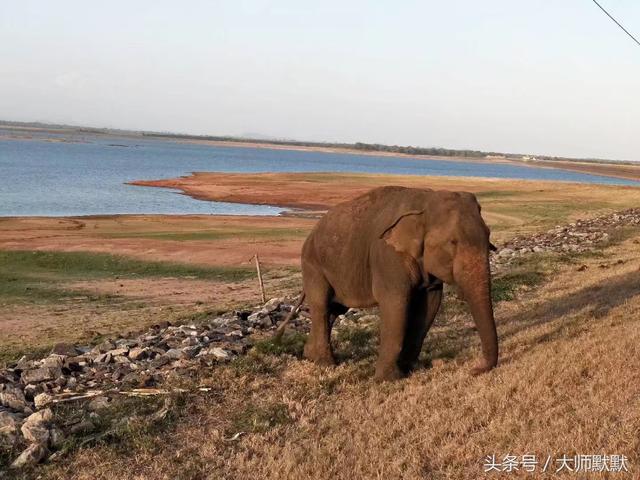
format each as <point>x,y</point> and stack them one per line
<point>320,356</point>
<point>481,368</point>
<point>388,372</point>
<point>406,367</point>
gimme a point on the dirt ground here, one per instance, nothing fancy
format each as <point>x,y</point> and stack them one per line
<point>199,239</point>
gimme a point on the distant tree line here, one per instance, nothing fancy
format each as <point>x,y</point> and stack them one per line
<point>365,147</point>
<point>368,147</point>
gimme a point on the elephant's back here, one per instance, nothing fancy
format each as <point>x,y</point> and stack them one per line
<point>346,230</point>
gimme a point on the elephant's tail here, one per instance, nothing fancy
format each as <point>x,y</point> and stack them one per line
<point>292,313</point>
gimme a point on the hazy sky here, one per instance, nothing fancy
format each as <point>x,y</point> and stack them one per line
<point>541,76</point>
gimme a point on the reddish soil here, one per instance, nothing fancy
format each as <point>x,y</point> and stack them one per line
<point>126,235</point>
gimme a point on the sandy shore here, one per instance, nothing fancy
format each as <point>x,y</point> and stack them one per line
<point>319,191</point>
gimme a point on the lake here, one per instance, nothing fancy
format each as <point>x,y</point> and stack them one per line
<point>47,178</point>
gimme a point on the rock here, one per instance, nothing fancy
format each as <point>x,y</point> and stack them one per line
<point>193,341</point>
<point>98,403</point>
<point>505,252</point>
<point>176,354</point>
<point>9,422</point>
<point>41,374</point>
<point>53,361</point>
<point>42,400</point>
<point>56,437</point>
<point>104,347</point>
<point>103,358</point>
<point>35,429</point>
<point>65,349</point>
<point>61,381</point>
<point>118,352</point>
<point>220,353</point>
<point>24,364</point>
<point>33,454</point>
<point>257,316</point>
<point>273,305</point>
<point>160,361</point>
<point>138,353</point>
<point>13,398</point>
<point>37,433</point>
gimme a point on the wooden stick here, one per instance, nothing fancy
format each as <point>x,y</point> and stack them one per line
<point>264,298</point>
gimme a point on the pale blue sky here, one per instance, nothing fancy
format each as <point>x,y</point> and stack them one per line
<point>554,77</point>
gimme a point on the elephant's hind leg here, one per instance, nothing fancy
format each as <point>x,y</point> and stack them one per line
<point>423,309</point>
<point>318,345</point>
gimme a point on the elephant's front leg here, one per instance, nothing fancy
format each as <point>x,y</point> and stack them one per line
<point>423,309</point>
<point>393,321</point>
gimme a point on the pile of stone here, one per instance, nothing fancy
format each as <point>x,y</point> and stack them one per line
<point>91,375</point>
<point>577,237</point>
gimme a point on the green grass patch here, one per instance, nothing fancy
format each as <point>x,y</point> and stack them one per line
<point>356,342</point>
<point>39,277</point>
<point>504,287</point>
<point>288,344</point>
<point>491,194</point>
<point>260,419</point>
<point>100,265</point>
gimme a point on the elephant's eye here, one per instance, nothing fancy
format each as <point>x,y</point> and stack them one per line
<point>454,242</point>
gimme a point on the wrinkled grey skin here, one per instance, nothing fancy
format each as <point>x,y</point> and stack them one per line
<point>393,247</point>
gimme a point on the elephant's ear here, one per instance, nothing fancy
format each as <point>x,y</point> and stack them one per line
<point>397,220</point>
<point>406,233</point>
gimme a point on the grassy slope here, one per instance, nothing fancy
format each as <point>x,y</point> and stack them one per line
<point>567,384</point>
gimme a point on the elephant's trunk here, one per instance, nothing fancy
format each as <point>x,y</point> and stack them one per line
<point>472,274</point>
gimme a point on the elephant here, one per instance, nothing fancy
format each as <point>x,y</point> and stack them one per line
<point>394,247</point>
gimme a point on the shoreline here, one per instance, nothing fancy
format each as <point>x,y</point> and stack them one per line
<point>293,191</point>
<point>621,170</point>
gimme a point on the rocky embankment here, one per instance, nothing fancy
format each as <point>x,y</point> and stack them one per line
<point>92,376</point>
<point>577,237</point>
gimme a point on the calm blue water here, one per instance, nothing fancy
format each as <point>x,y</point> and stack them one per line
<point>55,179</point>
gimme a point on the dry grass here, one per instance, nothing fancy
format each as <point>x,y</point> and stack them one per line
<point>567,384</point>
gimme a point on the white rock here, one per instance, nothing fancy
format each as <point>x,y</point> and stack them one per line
<point>220,353</point>
<point>13,398</point>
<point>32,455</point>
<point>42,400</point>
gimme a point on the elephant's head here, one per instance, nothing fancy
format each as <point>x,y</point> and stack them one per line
<point>446,236</point>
